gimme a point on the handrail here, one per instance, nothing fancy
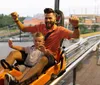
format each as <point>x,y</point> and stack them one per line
<point>80,42</point>
<point>89,42</point>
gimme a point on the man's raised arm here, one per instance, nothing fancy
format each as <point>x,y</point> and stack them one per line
<point>75,24</point>
<point>17,21</point>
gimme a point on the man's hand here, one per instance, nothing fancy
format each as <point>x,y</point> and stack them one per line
<point>74,20</point>
<point>10,43</point>
<point>15,16</point>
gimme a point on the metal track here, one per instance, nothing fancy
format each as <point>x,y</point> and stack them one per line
<point>76,53</point>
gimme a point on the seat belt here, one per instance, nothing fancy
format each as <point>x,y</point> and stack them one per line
<point>48,34</point>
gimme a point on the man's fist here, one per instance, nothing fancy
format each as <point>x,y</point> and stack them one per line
<point>74,20</point>
<point>15,16</point>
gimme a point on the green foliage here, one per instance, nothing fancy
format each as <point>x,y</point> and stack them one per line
<point>95,27</point>
<point>6,20</point>
<point>81,19</point>
<point>83,29</point>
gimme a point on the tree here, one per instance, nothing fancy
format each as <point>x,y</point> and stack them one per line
<point>83,29</point>
<point>95,27</point>
<point>6,20</point>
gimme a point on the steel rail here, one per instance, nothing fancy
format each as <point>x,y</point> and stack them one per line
<point>91,44</point>
<point>73,65</point>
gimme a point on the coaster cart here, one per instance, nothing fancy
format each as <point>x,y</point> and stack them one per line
<point>45,78</point>
<point>50,74</point>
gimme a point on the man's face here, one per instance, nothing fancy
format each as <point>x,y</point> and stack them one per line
<point>50,20</point>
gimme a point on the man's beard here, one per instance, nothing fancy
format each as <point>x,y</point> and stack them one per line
<point>49,25</point>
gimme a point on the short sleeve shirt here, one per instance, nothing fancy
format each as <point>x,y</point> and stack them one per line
<point>53,41</point>
<point>34,55</point>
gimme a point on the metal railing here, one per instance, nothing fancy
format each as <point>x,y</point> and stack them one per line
<point>75,54</point>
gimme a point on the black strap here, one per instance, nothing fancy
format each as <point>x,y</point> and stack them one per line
<point>2,63</point>
<point>61,59</point>
<point>48,34</point>
<point>5,64</point>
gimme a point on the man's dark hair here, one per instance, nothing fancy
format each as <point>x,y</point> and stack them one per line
<point>48,10</point>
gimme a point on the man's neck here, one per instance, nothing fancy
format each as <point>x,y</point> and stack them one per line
<point>53,27</point>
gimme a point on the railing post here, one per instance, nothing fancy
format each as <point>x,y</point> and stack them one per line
<point>74,76</point>
<point>98,55</point>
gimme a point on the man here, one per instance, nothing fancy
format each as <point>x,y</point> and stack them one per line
<point>52,42</point>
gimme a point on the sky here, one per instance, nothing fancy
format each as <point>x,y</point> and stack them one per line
<point>32,7</point>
